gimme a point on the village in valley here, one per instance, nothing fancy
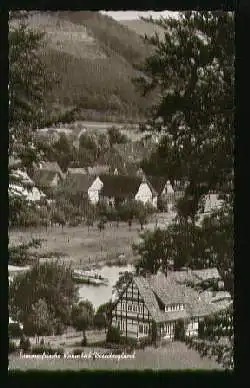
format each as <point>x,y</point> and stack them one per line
<point>117,244</point>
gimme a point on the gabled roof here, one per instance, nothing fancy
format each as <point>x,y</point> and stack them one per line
<point>78,183</point>
<point>43,177</point>
<point>123,186</point>
<point>158,182</point>
<point>52,166</point>
<point>168,291</point>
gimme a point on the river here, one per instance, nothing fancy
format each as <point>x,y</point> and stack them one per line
<point>102,294</point>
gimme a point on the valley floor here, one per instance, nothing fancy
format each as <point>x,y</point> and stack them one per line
<point>80,245</point>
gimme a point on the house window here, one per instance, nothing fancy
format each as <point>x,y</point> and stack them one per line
<point>129,307</point>
<point>140,328</point>
<point>145,329</point>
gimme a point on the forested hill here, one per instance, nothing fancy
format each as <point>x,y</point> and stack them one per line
<point>142,27</point>
<point>94,56</point>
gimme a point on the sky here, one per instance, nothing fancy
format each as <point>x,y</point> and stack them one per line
<point>130,15</point>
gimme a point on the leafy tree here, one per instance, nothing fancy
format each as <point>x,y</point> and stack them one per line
<point>63,152</point>
<point>21,254</point>
<point>82,316</point>
<point>30,82</point>
<point>193,70</point>
<point>40,320</point>
<point>101,319</point>
<point>124,279</point>
<point>113,335</point>
<point>153,251</point>
<point>101,224</point>
<point>58,217</point>
<point>50,282</point>
<point>142,214</point>
<point>25,344</point>
<point>116,137</point>
<point>88,149</point>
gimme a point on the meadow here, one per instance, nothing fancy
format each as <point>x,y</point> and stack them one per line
<point>172,356</point>
<point>87,246</point>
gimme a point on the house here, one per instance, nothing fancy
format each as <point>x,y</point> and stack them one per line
<point>165,190</point>
<point>88,186</point>
<point>51,166</point>
<point>46,179</point>
<point>160,300</point>
<point>120,188</point>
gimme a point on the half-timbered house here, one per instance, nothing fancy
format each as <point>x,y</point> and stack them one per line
<point>164,301</point>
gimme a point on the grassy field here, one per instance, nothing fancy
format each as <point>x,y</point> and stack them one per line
<point>82,246</point>
<point>171,356</point>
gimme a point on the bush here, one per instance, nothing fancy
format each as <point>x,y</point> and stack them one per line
<point>25,343</point>
<point>179,332</point>
<point>77,351</point>
<point>15,330</point>
<point>113,335</point>
<point>40,349</point>
<point>84,341</point>
<point>143,342</point>
<point>12,347</point>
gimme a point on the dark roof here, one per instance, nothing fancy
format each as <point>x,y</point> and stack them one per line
<point>78,183</point>
<point>52,166</point>
<point>43,177</point>
<point>158,182</point>
<point>120,185</point>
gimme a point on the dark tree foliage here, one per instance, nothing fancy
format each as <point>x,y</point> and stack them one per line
<point>50,282</point>
<point>192,68</point>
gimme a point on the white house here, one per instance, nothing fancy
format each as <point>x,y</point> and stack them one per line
<point>121,188</point>
<point>85,185</point>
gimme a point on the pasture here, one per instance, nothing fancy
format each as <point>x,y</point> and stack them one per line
<point>82,245</point>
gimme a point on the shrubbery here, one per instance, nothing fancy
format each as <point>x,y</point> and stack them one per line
<point>15,330</point>
<point>41,349</point>
<point>179,333</point>
<point>84,341</point>
<point>77,351</point>
<point>113,335</point>
<point>12,347</point>
<point>25,344</point>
